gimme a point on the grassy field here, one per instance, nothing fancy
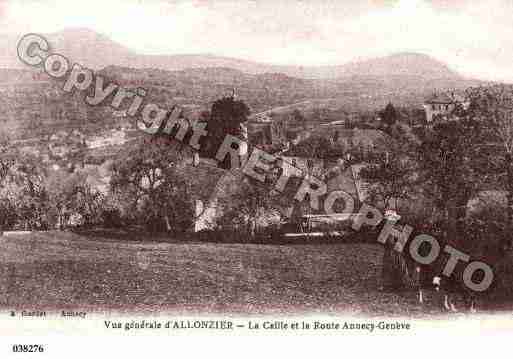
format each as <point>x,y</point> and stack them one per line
<point>57,270</point>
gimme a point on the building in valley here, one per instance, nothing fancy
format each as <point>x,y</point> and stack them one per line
<point>440,106</point>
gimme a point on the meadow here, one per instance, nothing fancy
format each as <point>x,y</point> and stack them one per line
<point>67,271</point>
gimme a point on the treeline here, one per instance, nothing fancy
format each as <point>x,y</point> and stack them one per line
<point>33,197</point>
<point>144,185</point>
<point>455,180</point>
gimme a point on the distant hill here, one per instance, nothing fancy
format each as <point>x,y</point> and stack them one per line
<point>275,90</point>
<point>31,99</point>
<point>402,64</point>
<point>79,45</point>
<point>98,51</point>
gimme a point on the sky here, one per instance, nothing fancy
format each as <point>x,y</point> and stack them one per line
<point>474,37</point>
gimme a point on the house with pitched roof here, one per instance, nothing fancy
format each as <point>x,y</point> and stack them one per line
<point>441,105</point>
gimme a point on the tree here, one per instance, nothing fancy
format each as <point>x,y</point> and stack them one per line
<point>22,189</point>
<point>391,177</point>
<point>227,117</point>
<point>8,156</point>
<point>493,107</point>
<point>390,174</point>
<point>150,174</point>
<point>72,200</point>
<point>251,204</point>
<point>449,170</point>
<point>32,197</point>
<point>7,162</point>
<point>89,204</point>
<point>61,186</point>
<point>389,115</point>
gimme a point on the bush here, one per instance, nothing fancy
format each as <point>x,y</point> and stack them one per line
<point>111,218</point>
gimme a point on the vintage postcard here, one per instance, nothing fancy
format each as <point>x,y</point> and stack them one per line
<point>309,169</point>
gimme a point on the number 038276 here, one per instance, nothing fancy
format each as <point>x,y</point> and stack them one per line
<point>26,348</point>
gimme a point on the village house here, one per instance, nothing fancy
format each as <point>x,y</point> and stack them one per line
<point>441,105</point>
<point>265,132</point>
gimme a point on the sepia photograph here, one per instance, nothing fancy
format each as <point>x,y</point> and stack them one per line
<point>242,166</point>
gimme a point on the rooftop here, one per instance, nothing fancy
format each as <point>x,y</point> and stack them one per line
<point>445,98</point>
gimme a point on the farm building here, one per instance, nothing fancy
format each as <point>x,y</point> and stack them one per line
<point>441,105</point>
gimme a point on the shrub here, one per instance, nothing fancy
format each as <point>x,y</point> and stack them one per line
<point>111,218</point>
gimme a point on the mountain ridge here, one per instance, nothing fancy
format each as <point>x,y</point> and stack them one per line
<point>82,45</point>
